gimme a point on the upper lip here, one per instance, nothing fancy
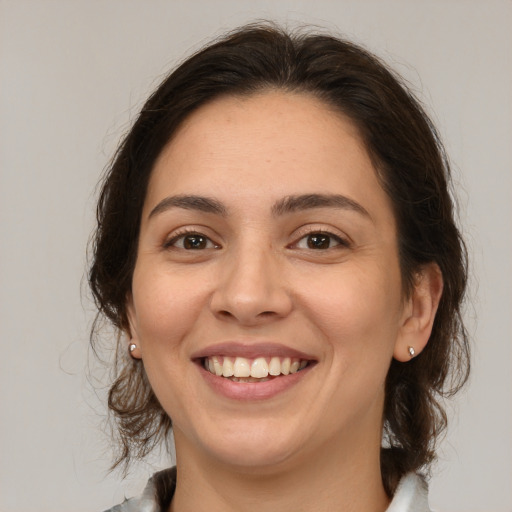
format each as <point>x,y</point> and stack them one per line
<point>251,351</point>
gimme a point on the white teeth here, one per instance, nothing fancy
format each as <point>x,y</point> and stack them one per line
<point>259,368</point>
<point>294,367</point>
<point>274,368</point>
<point>217,367</point>
<point>227,367</point>
<point>241,368</point>
<point>248,379</point>
<point>285,366</point>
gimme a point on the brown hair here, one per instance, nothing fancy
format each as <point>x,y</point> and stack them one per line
<point>411,166</point>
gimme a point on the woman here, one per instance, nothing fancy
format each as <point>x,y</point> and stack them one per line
<point>276,241</point>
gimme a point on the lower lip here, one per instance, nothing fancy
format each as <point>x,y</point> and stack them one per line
<point>253,390</point>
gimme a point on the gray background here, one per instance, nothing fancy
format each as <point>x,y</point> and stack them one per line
<point>73,74</point>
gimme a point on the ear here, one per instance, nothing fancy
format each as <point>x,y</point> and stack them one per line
<point>133,345</point>
<point>419,313</point>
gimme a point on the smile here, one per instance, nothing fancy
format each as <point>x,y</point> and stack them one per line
<point>259,369</point>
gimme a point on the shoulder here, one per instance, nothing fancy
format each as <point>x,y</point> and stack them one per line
<point>411,495</point>
<point>156,495</point>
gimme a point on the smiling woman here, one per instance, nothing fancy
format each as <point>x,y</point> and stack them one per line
<point>276,240</point>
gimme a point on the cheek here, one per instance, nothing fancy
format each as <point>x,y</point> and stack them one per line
<point>166,305</point>
<point>357,309</point>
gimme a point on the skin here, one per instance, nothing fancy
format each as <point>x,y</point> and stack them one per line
<point>257,277</point>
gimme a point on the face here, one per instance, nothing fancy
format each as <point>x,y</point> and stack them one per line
<point>267,249</point>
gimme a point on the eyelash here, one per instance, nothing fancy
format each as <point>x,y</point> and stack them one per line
<point>171,243</point>
<point>340,242</point>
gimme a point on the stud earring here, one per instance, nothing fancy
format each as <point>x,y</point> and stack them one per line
<point>412,352</point>
<point>132,347</point>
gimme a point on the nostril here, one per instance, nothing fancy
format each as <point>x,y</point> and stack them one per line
<point>250,308</point>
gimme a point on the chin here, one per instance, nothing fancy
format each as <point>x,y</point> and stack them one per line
<point>255,459</point>
<point>252,447</point>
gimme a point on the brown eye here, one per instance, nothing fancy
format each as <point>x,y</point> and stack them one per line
<point>192,242</point>
<point>320,241</point>
<point>195,242</point>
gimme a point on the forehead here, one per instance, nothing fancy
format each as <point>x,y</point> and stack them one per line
<point>268,144</point>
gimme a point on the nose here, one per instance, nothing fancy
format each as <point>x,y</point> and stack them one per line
<point>251,288</point>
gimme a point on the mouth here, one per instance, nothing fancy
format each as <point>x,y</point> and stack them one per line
<point>254,371</point>
<point>251,370</point>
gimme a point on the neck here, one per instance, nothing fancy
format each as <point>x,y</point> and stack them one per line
<point>334,477</point>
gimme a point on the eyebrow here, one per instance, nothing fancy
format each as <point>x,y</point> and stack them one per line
<point>288,204</point>
<point>200,203</point>
<point>292,204</point>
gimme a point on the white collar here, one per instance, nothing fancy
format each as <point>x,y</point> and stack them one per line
<point>411,495</point>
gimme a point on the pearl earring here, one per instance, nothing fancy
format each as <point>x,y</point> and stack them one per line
<point>412,352</point>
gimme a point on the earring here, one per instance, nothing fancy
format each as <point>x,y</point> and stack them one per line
<point>132,347</point>
<point>411,352</point>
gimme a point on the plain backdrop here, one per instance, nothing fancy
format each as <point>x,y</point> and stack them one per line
<point>72,75</point>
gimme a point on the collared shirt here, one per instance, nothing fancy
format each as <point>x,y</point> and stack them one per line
<point>410,495</point>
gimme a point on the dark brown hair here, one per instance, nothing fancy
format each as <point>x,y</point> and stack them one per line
<point>411,165</point>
